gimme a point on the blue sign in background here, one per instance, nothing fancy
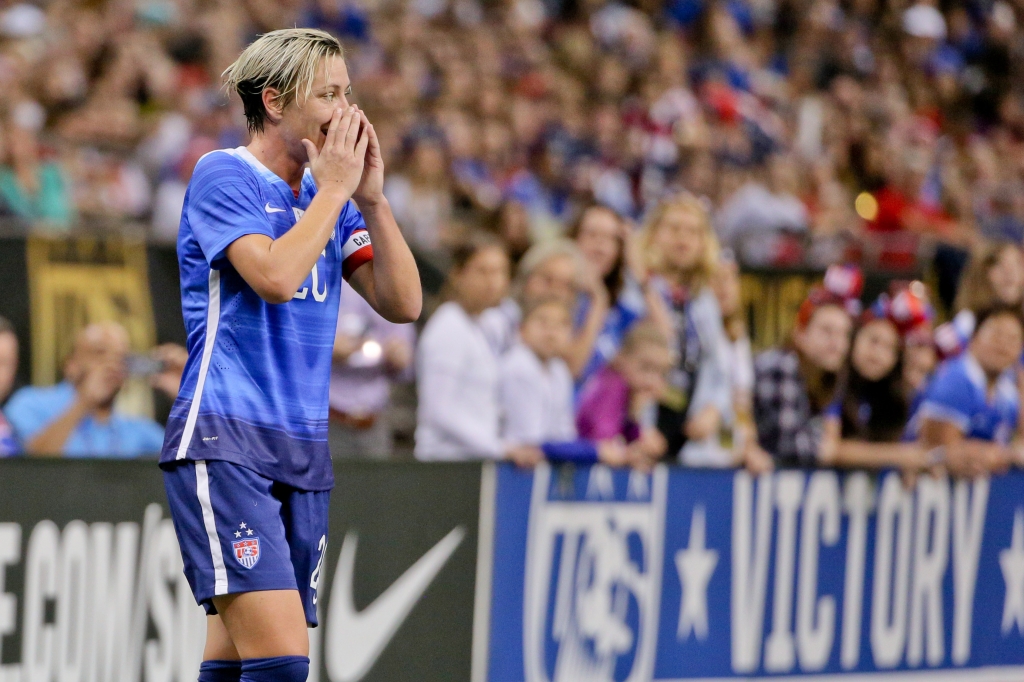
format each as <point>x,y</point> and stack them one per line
<point>616,575</point>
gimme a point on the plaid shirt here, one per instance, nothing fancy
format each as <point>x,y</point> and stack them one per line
<point>786,428</point>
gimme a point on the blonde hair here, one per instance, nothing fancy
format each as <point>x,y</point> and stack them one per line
<point>284,60</point>
<point>707,264</point>
<point>643,333</point>
<point>540,254</point>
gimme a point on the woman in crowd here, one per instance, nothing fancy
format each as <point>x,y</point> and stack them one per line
<point>619,401</point>
<point>32,187</point>
<point>681,252</point>
<point>537,390</point>
<point>421,196</point>
<point>994,276</point>
<point>793,386</point>
<point>606,242</point>
<point>553,269</point>
<point>458,415</point>
<point>864,425</point>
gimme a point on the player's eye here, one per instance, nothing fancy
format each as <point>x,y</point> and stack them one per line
<point>329,96</point>
<point>348,91</point>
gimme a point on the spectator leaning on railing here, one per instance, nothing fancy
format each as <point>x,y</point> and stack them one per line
<point>864,425</point>
<point>620,400</point>
<point>974,399</point>
<point>77,418</point>
<point>459,413</point>
<point>537,392</point>
<point>794,385</point>
<point>8,371</point>
<point>682,253</point>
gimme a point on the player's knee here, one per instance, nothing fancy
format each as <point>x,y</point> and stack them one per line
<point>276,669</point>
<point>220,671</point>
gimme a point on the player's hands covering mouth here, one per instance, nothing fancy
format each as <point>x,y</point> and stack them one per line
<point>341,161</point>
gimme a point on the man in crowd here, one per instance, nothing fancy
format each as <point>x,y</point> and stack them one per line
<point>370,353</point>
<point>77,417</point>
<point>8,371</point>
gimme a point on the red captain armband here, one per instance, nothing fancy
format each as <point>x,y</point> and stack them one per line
<point>356,251</point>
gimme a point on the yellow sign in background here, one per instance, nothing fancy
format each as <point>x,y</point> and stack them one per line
<point>80,280</point>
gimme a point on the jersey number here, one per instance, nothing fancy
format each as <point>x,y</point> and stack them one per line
<point>318,296</point>
<point>314,580</point>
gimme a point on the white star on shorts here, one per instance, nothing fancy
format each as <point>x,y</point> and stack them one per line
<point>238,533</point>
<point>249,532</point>
<point>241,525</point>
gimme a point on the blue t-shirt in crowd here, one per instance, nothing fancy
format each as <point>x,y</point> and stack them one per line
<point>958,395</point>
<point>255,387</point>
<point>33,408</point>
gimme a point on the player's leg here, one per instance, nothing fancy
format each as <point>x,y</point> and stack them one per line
<point>264,624</point>
<point>220,658</point>
<point>233,543</point>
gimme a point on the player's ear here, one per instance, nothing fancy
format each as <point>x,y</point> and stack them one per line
<point>272,104</point>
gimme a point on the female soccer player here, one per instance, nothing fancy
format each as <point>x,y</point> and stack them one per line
<point>263,246</point>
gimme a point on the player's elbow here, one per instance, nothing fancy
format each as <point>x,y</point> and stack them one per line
<point>275,291</point>
<point>405,311</point>
<point>276,287</point>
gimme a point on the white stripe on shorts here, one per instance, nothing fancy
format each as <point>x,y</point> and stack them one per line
<point>220,574</point>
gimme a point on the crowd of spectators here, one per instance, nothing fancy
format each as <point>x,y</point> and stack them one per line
<point>520,376</point>
<point>575,168</point>
<point>817,130</point>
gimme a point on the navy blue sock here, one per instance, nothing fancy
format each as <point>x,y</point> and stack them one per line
<point>276,669</point>
<point>220,671</point>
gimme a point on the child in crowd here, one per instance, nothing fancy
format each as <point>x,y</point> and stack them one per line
<point>973,398</point>
<point>619,399</point>
<point>994,276</point>
<point>458,415</point>
<point>537,390</point>
<point>864,425</point>
<point>681,251</point>
<point>735,443</point>
<point>793,386</point>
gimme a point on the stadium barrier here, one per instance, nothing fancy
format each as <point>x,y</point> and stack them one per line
<point>492,574</point>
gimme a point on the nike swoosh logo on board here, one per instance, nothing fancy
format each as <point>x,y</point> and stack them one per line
<point>270,209</point>
<point>354,640</point>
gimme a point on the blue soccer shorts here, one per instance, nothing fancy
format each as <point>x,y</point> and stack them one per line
<point>241,532</point>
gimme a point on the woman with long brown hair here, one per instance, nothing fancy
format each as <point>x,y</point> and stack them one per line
<point>620,295</point>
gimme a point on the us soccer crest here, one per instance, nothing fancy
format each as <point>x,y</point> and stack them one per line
<point>593,575</point>
<point>247,551</point>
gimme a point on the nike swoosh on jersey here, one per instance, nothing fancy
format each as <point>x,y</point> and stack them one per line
<point>270,209</point>
<point>354,640</point>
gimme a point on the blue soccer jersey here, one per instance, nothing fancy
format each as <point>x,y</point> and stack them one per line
<point>255,387</point>
<point>958,395</point>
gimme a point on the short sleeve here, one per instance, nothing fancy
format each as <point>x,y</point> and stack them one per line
<point>27,413</point>
<point>224,204</point>
<point>356,249</point>
<point>947,399</point>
